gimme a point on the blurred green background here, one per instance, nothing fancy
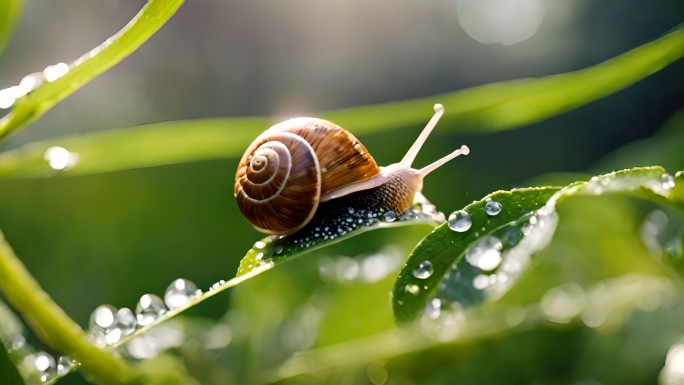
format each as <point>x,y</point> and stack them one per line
<point>111,237</point>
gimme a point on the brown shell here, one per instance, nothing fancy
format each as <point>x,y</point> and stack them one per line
<point>283,173</point>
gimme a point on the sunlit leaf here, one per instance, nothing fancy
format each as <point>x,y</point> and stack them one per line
<point>32,106</point>
<point>491,107</point>
<point>483,262</point>
<point>434,258</point>
<point>9,16</point>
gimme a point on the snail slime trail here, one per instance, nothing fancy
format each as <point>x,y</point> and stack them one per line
<point>312,179</point>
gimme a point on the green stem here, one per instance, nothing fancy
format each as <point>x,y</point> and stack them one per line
<point>32,106</point>
<point>52,325</point>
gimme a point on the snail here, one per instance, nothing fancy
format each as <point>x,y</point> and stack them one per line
<point>302,167</point>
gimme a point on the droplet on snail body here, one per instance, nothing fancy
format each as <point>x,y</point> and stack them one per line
<point>278,249</point>
<point>493,208</point>
<point>423,271</point>
<point>179,293</point>
<point>149,308</point>
<point>390,216</point>
<point>460,221</point>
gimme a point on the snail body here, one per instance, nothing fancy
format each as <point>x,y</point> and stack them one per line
<point>301,167</point>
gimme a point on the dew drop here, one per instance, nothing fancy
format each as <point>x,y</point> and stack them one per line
<point>423,271</point>
<point>259,244</point>
<point>668,181</point>
<point>103,317</point>
<point>54,72</point>
<point>59,158</point>
<point>43,364</point>
<point>149,308</point>
<point>486,254</point>
<point>493,208</point>
<point>278,249</point>
<point>460,221</point>
<point>179,293</point>
<point>30,82</point>
<point>64,365</point>
<point>481,282</point>
<point>125,321</point>
<point>389,216</point>
<point>433,308</point>
<point>413,289</point>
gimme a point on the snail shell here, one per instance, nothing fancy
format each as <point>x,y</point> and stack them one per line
<point>301,163</point>
<point>285,171</point>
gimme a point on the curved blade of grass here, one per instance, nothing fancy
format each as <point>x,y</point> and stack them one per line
<point>10,10</point>
<point>481,264</point>
<point>142,147</point>
<point>32,106</point>
<point>52,325</point>
<point>492,107</point>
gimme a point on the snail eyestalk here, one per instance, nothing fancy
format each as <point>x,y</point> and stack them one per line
<point>413,151</point>
<point>464,150</point>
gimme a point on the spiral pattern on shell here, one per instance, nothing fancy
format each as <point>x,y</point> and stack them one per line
<point>277,185</point>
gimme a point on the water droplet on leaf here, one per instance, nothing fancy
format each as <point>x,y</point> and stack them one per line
<point>149,308</point>
<point>179,293</point>
<point>413,289</point>
<point>460,221</point>
<point>493,208</point>
<point>423,271</point>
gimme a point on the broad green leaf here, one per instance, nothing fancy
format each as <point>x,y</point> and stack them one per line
<point>482,263</point>
<point>492,107</point>
<point>8,372</point>
<point>101,58</point>
<point>10,10</point>
<point>433,259</point>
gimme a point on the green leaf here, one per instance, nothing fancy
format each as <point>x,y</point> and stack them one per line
<point>492,107</point>
<point>334,222</point>
<point>8,372</point>
<point>444,247</point>
<point>482,263</point>
<point>32,106</point>
<point>10,10</point>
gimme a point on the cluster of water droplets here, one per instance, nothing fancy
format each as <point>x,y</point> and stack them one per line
<point>109,325</point>
<point>35,366</point>
<point>661,183</point>
<point>9,95</point>
<point>491,265</point>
